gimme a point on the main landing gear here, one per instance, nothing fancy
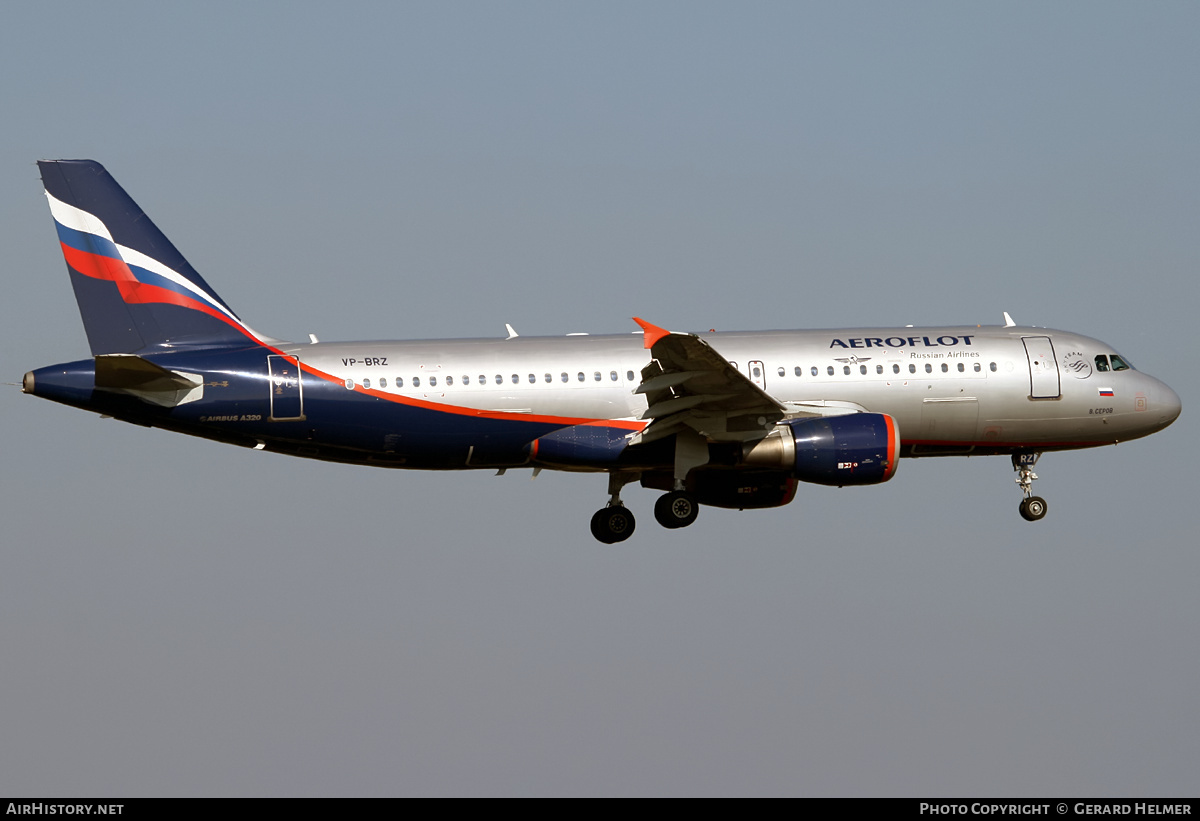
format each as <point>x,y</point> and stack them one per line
<point>614,522</point>
<point>1032,507</point>
<point>676,509</point>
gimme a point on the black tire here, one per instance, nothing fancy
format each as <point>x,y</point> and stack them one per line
<point>613,524</point>
<point>1033,508</point>
<point>676,509</point>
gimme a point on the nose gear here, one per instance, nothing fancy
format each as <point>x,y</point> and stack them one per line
<point>1032,507</point>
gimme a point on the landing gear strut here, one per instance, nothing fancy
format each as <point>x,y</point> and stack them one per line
<point>676,509</point>
<point>1032,507</point>
<point>614,522</point>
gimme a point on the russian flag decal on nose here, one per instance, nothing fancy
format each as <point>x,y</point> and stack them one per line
<point>1106,391</point>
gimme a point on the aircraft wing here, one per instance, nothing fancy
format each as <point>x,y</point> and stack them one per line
<point>688,384</point>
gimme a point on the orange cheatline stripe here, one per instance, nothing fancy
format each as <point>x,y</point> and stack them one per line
<point>627,424</point>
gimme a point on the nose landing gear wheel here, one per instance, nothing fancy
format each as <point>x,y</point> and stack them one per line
<point>1033,508</point>
<point>613,524</point>
<point>676,509</point>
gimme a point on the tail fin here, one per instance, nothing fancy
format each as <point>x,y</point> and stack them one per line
<point>135,291</point>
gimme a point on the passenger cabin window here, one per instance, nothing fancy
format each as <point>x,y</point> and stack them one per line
<point>366,383</point>
<point>399,381</point>
<point>383,381</point>
<point>928,368</point>
<point>433,381</point>
<point>814,370</point>
<point>862,369</point>
<point>993,367</point>
<point>612,376</point>
<point>782,371</point>
<point>846,370</point>
<point>597,376</point>
<point>516,379</point>
<point>798,371</point>
<point>549,378</point>
<point>912,368</point>
<point>757,373</point>
<point>961,367</point>
<point>829,370</point>
<point>416,381</point>
<point>499,379</point>
<point>978,367</point>
<point>879,369</point>
<point>564,377</point>
<point>349,384</point>
<point>581,376</point>
<point>895,369</point>
<point>945,368</point>
<point>466,379</point>
<point>629,376</point>
<point>532,378</point>
<point>449,380</point>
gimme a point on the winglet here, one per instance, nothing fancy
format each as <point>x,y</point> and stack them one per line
<point>653,333</point>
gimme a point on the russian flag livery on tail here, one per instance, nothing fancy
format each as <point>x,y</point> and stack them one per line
<point>135,290</point>
<point>731,419</point>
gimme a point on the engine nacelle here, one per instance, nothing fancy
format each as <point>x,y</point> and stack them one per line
<point>854,449</point>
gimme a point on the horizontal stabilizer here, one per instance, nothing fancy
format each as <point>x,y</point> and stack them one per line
<point>131,374</point>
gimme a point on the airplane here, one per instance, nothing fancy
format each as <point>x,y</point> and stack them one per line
<point>728,419</point>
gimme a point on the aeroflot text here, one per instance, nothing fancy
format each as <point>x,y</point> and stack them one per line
<point>900,342</point>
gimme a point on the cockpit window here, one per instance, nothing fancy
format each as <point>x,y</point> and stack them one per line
<point>1118,364</point>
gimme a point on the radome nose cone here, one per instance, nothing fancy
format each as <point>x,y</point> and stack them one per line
<point>1169,405</point>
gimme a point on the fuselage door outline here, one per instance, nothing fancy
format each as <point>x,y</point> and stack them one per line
<point>1043,368</point>
<point>757,373</point>
<point>285,387</point>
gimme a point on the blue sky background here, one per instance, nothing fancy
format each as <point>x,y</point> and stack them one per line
<point>179,618</point>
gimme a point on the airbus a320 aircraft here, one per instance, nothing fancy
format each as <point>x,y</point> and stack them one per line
<point>731,420</point>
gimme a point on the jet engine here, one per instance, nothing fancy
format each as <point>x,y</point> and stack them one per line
<point>854,449</point>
